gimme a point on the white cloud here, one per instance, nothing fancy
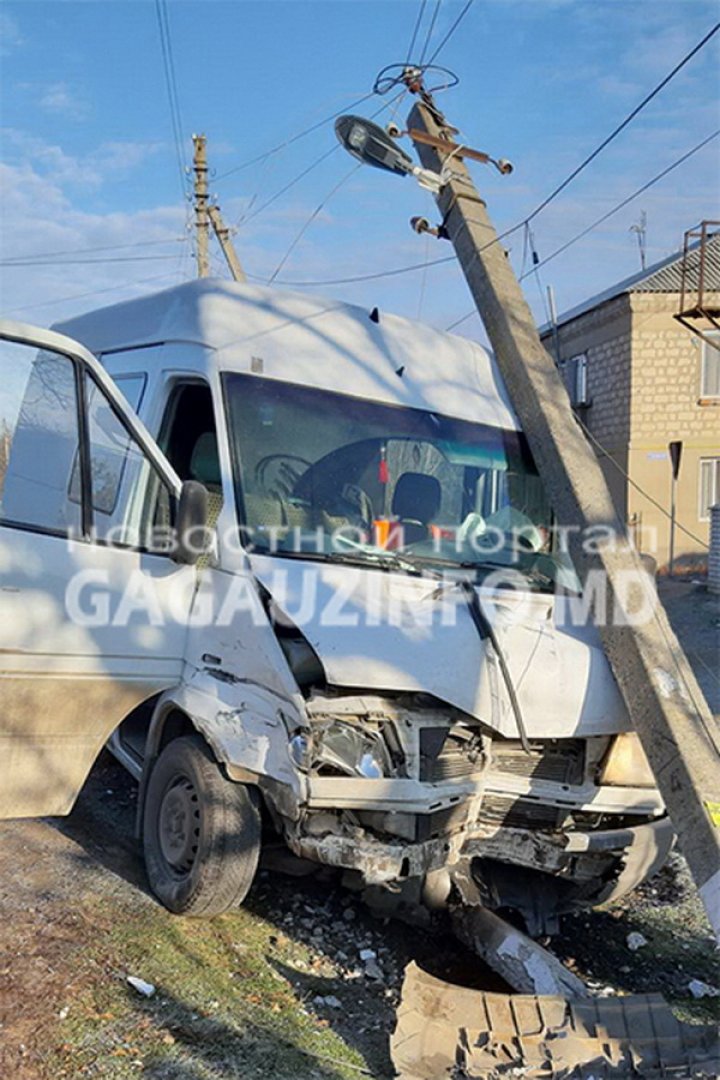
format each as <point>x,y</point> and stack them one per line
<point>10,36</point>
<point>108,160</point>
<point>60,100</point>
<point>38,217</point>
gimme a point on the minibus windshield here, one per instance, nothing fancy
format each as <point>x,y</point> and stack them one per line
<point>326,474</point>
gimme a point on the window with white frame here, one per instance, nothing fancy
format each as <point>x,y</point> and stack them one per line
<point>710,370</point>
<point>709,486</point>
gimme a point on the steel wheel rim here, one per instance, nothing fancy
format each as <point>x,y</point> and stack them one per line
<point>179,825</point>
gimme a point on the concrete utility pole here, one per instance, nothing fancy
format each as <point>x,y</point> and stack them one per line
<point>223,234</point>
<point>202,221</point>
<point>665,703</point>
<point>207,215</point>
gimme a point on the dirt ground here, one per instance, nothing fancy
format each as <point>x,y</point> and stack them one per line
<point>279,988</point>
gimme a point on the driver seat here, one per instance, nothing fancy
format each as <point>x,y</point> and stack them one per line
<point>416,501</point>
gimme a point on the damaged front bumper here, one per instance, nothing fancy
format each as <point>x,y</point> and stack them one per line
<point>382,860</point>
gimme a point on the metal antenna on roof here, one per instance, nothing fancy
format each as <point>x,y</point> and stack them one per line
<point>640,229</point>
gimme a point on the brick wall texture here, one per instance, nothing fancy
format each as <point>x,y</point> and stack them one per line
<point>644,372</point>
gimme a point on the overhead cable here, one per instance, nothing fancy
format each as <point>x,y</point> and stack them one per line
<point>433,20</point>
<point>395,271</point>
<point>604,217</point>
<point>451,31</point>
<point>313,165</point>
<point>293,139</point>
<point>92,292</point>
<point>171,86</point>
<point>679,161</point>
<point>310,220</point>
<point>413,39</point>
<point>621,127</point>
<point>18,263</point>
<point>88,250</point>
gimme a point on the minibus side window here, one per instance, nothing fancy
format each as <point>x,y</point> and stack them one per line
<point>129,498</point>
<point>39,439</point>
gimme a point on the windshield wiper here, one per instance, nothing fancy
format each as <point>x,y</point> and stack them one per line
<point>376,559</point>
<point>533,574</point>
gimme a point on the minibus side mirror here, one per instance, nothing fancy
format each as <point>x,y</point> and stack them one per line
<point>190,523</point>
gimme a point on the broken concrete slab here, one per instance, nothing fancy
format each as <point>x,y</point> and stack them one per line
<point>451,1031</point>
<point>523,964</point>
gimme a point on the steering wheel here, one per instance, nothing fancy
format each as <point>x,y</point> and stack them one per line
<point>361,505</point>
<point>284,475</point>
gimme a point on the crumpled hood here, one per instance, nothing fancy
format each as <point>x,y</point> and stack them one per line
<point>383,631</point>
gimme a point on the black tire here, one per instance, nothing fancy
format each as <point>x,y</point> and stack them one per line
<point>201,832</point>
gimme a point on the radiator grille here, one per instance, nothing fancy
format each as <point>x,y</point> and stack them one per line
<point>520,813</point>
<point>450,754</point>
<point>562,760</point>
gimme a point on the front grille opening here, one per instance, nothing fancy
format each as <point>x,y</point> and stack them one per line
<point>450,753</point>
<point>561,761</point>
<point>520,813</point>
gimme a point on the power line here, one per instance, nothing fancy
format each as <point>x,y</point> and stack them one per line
<point>88,250</point>
<point>296,180</point>
<point>366,277</point>
<point>92,292</point>
<point>451,31</point>
<point>629,199</point>
<point>295,138</point>
<point>310,220</point>
<point>395,271</point>
<point>430,29</point>
<point>18,263</point>
<point>615,209</point>
<point>564,184</point>
<point>631,116</point>
<point>634,484</point>
<point>171,86</point>
<point>398,270</point>
<point>318,161</point>
<point>413,39</point>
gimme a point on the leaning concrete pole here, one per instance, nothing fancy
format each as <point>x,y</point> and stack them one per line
<point>665,703</point>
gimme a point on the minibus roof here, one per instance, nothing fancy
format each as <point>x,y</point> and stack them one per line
<point>305,339</point>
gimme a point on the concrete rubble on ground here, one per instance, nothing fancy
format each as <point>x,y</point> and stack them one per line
<point>635,940</point>
<point>462,1034</point>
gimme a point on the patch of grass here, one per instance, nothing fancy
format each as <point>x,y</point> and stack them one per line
<point>223,1006</point>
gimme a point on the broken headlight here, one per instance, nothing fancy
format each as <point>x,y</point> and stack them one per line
<point>343,749</point>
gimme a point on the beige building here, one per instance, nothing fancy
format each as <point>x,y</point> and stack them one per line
<point>639,379</point>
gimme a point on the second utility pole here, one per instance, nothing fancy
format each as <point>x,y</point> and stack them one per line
<point>202,218</point>
<point>664,702</point>
<point>207,215</point>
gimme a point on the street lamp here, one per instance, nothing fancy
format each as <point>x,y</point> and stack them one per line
<point>372,145</point>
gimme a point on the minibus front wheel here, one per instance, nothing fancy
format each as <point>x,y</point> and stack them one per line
<point>201,832</point>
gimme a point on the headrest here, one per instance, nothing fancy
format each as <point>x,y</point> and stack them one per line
<point>205,462</point>
<point>417,497</point>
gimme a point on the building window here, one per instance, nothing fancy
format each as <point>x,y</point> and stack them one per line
<point>578,379</point>
<point>710,371</point>
<point>709,486</point>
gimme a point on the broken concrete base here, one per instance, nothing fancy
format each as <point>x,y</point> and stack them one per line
<point>523,964</point>
<point>451,1031</point>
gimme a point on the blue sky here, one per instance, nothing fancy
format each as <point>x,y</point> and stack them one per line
<point>88,156</point>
